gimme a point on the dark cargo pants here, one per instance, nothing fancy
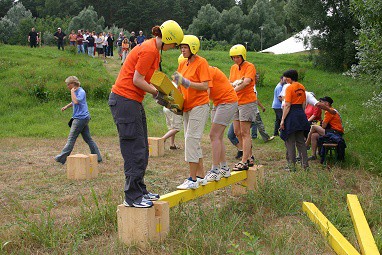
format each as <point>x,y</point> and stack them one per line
<point>130,119</point>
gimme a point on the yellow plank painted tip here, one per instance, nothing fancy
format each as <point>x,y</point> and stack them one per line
<point>336,240</point>
<point>362,229</point>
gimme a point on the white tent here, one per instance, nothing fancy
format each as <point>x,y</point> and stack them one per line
<point>293,44</point>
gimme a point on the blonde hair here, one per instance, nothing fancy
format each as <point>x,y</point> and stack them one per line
<point>73,79</point>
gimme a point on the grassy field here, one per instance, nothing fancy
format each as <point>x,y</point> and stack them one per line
<point>44,213</point>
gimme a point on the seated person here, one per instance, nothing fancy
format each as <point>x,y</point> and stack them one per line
<point>312,112</point>
<point>331,124</point>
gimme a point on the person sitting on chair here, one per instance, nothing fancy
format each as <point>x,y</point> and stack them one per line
<point>332,123</point>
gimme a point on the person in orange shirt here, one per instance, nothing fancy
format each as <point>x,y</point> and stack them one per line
<point>293,121</point>
<point>126,106</point>
<point>332,123</point>
<point>72,38</point>
<point>192,78</point>
<point>242,76</point>
<point>225,103</point>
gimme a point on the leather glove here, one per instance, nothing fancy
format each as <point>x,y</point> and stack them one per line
<point>180,80</point>
<point>237,83</point>
<point>159,98</point>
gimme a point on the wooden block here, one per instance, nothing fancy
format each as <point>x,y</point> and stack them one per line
<point>136,225</point>
<point>156,146</point>
<point>162,219</point>
<point>93,170</point>
<point>255,175</point>
<point>163,84</point>
<point>364,236</point>
<point>78,167</point>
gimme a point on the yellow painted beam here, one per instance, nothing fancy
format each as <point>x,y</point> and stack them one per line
<point>338,242</point>
<point>181,196</point>
<point>362,229</point>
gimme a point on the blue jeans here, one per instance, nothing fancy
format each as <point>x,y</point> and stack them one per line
<point>80,49</point>
<point>91,51</point>
<point>231,135</point>
<point>78,127</point>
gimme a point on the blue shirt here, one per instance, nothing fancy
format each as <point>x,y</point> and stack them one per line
<point>141,39</point>
<point>80,110</point>
<point>276,102</point>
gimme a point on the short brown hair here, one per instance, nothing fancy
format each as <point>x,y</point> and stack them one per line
<point>74,80</point>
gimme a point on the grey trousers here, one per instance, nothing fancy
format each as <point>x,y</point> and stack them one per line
<point>294,140</point>
<point>130,119</point>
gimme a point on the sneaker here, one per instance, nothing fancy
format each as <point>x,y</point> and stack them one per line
<point>239,155</point>
<point>187,184</point>
<point>251,161</point>
<point>201,181</point>
<point>151,196</point>
<point>225,172</point>
<point>212,176</point>
<point>240,166</point>
<point>314,157</point>
<point>174,147</point>
<point>143,204</point>
<point>271,138</point>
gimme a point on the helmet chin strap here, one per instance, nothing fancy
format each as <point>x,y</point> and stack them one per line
<point>160,61</point>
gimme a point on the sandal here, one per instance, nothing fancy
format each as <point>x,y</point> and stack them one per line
<point>240,166</point>
<point>174,147</point>
<point>251,161</point>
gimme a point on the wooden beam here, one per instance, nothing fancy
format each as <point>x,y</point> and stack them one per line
<point>181,196</point>
<point>338,242</point>
<point>362,229</point>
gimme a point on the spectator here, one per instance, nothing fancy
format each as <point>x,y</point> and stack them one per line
<point>125,50</point>
<point>133,40</point>
<point>91,41</point>
<point>120,39</point>
<point>80,42</point>
<point>99,45</point>
<point>79,122</point>
<point>332,123</point>
<point>141,38</point>
<point>33,38</point>
<point>104,45</point>
<point>110,45</point>
<point>294,122</point>
<point>276,105</point>
<point>242,77</point>
<point>85,41</point>
<point>193,77</point>
<point>312,112</point>
<point>72,38</point>
<point>258,123</point>
<point>126,106</point>
<point>60,37</point>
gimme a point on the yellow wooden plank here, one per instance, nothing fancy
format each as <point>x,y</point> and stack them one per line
<point>181,196</point>
<point>362,229</point>
<point>338,242</point>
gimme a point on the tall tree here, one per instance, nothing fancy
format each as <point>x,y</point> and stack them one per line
<point>87,19</point>
<point>335,22</point>
<point>5,5</point>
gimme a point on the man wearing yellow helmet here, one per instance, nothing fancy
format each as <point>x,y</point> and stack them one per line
<point>242,76</point>
<point>193,77</point>
<point>126,106</point>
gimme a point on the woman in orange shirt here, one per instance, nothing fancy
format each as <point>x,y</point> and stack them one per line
<point>242,76</point>
<point>125,49</point>
<point>293,121</point>
<point>126,106</point>
<point>193,76</point>
<point>225,100</point>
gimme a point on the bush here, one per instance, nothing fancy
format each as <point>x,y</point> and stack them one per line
<point>40,92</point>
<point>100,92</point>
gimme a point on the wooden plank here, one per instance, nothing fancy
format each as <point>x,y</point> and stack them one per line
<point>362,229</point>
<point>336,240</point>
<point>181,196</point>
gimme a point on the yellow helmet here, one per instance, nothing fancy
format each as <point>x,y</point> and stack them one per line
<point>171,32</point>
<point>238,50</point>
<point>193,42</point>
<point>181,58</point>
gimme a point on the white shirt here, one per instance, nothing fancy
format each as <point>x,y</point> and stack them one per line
<point>310,99</point>
<point>282,94</point>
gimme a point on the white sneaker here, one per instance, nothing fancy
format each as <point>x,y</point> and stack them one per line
<point>187,184</point>
<point>225,172</point>
<point>201,181</point>
<point>212,176</point>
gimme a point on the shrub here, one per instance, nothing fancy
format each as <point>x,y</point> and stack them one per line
<point>100,92</point>
<point>40,92</point>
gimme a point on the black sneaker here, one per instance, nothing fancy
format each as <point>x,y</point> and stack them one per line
<point>143,204</point>
<point>151,196</point>
<point>239,155</point>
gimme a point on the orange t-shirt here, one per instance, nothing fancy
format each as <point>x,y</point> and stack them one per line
<point>197,71</point>
<point>143,58</point>
<point>72,37</point>
<point>221,91</point>
<point>334,120</point>
<point>246,70</point>
<point>295,93</point>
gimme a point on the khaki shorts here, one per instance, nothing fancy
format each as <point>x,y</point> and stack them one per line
<point>223,113</point>
<point>246,112</point>
<point>173,121</point>
<point>194,122</point>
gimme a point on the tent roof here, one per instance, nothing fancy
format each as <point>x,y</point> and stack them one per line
<point>293,44</point>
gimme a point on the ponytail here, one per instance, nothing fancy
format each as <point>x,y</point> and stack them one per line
<point>156,31</point>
